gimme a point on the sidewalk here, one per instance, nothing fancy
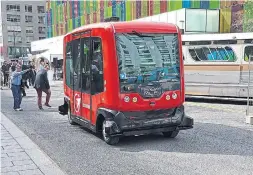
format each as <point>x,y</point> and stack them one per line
<point>20,156</point>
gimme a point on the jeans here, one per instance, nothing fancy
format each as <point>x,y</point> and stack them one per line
<point>39,93</point>
<point>6,79</point>
<point>16,92</point>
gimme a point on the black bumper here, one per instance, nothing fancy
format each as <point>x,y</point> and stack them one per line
<point>121,125</point>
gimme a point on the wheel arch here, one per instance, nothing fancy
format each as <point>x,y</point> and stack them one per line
<point>104,114</point>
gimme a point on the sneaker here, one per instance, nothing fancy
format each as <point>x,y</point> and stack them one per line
<point>40,107</point>
<point>48,105</point>
<point>19,109</point>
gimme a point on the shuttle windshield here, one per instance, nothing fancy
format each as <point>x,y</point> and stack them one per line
<point>148,60</point>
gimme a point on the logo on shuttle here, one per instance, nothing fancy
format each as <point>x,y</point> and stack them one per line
<point>77,100</point>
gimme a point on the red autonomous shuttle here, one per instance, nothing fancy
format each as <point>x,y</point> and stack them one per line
<point>125,78</point>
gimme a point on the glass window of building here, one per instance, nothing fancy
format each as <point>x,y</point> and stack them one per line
<point>29,29</point>
<point>28,18</point>
<point>41,9</point>
<point>41,19</point>
<point>202,20</point>
<point>29,39</point>
<point>13,7</point>
<point>14,28</point>
<point>13,18</point>
<point>42,30</point>
<point>29,8</point>
<point>13,38</point>
<point>41,38</point>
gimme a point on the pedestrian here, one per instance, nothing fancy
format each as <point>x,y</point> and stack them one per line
<point>32,75</point>
<point>42,64</point>
<point>24,80</point>
<point>16,79</point>
<point>11,70</point>
<point>5,69</point>
<point>41,84</point>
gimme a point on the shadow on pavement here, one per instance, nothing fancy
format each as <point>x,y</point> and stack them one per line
<point>205,138</point>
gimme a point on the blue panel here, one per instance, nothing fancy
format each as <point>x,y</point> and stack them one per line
<point>114,8</point>
<point>46,18</point>
<point>49,33</point>
<point>79,21</point>
<point>186,3</point>
<point>73,10</point>
<point>51,17</point>
<point>204,4</point>
<point>123,10</point>
<point>78,8</point>
<point>73,22</point>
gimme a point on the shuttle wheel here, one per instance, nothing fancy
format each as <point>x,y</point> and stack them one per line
<point>109,139</point>
<point>70,118</point>
<point>170,134</point>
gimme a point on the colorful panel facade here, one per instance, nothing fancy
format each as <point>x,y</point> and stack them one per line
<point>64,16</point>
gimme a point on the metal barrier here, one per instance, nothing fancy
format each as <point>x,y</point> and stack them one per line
<point>249,111</point>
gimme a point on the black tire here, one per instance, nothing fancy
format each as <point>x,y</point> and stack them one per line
<point>107,138</point>
<point>70,118</point>
<point>170,134</point>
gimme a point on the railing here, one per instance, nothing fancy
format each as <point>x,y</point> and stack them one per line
<point>249,111</point>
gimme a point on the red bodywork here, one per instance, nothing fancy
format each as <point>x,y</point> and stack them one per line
<point>112,98</point>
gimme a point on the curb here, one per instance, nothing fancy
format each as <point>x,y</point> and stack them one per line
<point>38,156</point>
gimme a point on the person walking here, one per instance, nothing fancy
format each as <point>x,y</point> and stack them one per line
<point>41,84</point>
<point>42,64</point>
<point>24,80</point>
<point>5,69</point>
<point>16,78</point>
<point>32,74</point>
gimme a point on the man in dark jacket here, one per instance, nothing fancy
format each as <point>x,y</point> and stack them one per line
<point>5,69</point>
<point>41,84</point>
<point>24,80</point>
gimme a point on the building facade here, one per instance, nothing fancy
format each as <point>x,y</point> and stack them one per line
<point>21,22</point>
<point>64,16</point>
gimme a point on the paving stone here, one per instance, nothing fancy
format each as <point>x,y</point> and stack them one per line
<point>10,147</point>
<point>23,162</point>
<point>37,156</point>
<point>9,141</point>
<point>3,155</point>
<point>13,150</point>
<point>26,143</point>
<point>5,134</point>
<point>10,173</point>
<point>6,138</point>
<point>31,172</point>
<point>9,144</point>
<point>20,154</point>
<point>18,168</point>
<point>15,158</point>
<point>6,164</point>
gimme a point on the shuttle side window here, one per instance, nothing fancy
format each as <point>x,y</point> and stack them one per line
<point>68,66</point>
<point>92,66</point>
<point>97,83</point>
<point>247,52</point>
<point>213,54</point>
<point>85,66</point>
<point>76,57</point>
